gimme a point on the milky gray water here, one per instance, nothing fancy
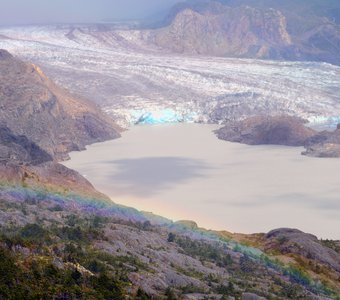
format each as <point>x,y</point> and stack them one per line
<point>184,172</point>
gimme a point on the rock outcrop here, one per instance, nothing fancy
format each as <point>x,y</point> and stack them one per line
<point>282,130</point>
<point>293,241</point>
<point>324,144</point>
<point>20,150</point>
<point>31,105</point>
<point>266,130</point>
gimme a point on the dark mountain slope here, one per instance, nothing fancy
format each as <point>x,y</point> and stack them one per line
<point>18,149</point>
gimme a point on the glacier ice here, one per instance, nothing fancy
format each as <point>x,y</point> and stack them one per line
<point>135,82</point>
<point>164,116</point>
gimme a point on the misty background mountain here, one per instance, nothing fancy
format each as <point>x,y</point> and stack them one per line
<point>16,12</point>
<point>285,30</point>
<point>266,29</point>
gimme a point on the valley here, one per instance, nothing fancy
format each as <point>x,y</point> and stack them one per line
<point>174,122</point>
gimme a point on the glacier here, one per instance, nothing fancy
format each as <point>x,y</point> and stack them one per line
<point>164,116</point>
<point>135,82</point>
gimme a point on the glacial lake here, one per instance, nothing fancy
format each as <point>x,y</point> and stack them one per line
<point>184,172</point>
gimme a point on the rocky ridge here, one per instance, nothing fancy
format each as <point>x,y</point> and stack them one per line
<point>294,241</point>
<point>20,150</point>
<point>224,31</point>
<point>56,121</point>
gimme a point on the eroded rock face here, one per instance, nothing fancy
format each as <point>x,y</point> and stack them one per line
<point>20,150</point>
<point>263,130</point>
<point>33,106</point>
<point>293,241</point>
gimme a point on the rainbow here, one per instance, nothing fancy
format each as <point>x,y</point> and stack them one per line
<point>104,207</point>
<point>70,200</point>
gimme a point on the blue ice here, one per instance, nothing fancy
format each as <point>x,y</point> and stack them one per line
<point>162,116</point>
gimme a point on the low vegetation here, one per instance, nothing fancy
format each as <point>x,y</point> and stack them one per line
<point>49,252</point>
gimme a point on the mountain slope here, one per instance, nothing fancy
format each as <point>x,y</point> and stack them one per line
<point>83,242</point>
<point>290,30</point>
<point>33,106</point>
<point>39,124</point>
<point>18,149</point>
<point>241,31</point>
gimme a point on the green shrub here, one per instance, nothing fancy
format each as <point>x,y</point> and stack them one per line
<point>33,232</point>
<point>141,295</point>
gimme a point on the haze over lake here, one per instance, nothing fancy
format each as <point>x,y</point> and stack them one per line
<point>184,172</point>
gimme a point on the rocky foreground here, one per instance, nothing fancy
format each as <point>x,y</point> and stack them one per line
<point>282,130</point>
<point>63,248</point>
<point>61,239</point>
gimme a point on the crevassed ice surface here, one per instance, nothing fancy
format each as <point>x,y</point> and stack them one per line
<point>136,82</point>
